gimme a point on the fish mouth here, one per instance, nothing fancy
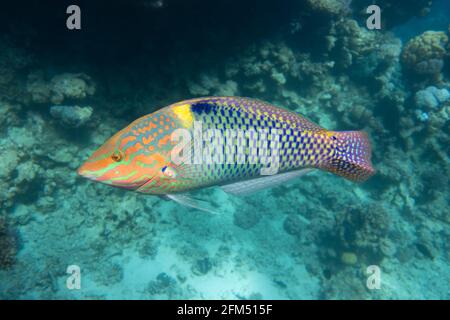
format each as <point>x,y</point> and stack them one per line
<point>81,171</point>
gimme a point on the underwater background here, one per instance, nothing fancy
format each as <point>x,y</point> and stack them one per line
<point>64,92</point>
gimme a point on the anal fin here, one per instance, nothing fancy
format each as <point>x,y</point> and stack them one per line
<point>247,187</point>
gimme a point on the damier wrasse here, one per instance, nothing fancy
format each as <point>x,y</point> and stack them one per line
<point>238,143</point>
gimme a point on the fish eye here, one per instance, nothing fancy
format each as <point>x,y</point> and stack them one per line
<point>117,156</point>
<point>164,169</point>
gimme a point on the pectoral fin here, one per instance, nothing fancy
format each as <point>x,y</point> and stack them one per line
<point>188,201</point>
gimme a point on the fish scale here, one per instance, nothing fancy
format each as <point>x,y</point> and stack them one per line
<point>300,146</point>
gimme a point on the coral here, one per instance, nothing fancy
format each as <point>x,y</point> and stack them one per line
<point>72,116</point>
<point>66,86</point>
<point>425,53</point>
<point>37,88</point>
<point>111,273</point>
<point>433,181</point>
<point>431,98</point>
<point>163,284</point>
<point>8,245</point>
<point>351,41</point>
<point>71,86</point>
<point>212,86</point>
<point>330,7</point>
<point>361,231</point>
<point>271,67</point>
<point>293,225</point>
<point>351,280</point>
<point>246,219</point>
<point>422,116</point>
<point>8,115</point>
<point>10,160</point>
<point>148,249</point>
<point>202,266</point>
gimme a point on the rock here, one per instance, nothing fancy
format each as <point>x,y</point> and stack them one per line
<point>246,219</point>
<point>202,266</point>
<point>8,245</point>
<point>72,116</point>
<point>293,225</point>
<point>161,285</point>
<point>10,160</point>
<point>26,173</point>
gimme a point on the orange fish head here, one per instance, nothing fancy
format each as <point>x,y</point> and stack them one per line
<point>123,162</point>
<point>139,157</point>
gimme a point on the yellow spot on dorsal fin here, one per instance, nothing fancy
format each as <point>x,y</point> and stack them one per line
<point>328,133</point>
<point>184,114</point>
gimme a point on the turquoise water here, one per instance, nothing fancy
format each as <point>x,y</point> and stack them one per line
<point>64,92</point>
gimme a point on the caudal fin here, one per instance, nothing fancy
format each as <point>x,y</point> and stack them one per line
<point>352,156</point>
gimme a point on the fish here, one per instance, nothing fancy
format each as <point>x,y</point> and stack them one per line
<point>240,144</point>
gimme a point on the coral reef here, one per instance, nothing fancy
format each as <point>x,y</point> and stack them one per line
<point>359,234</point>
<point>431,98</point>
<point>293,225</point>
<point>202,266</point>
<point>8,245</point>
<point>330,7</point>
<point>425,54</point>
<point>246,219</point>
<point>72,116</point>
<point>164,284</point>
<point>59,88</point>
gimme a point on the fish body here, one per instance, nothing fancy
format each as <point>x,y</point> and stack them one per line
<point>220,141</point>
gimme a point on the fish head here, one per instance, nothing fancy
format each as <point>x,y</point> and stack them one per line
<point>129,159</point>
